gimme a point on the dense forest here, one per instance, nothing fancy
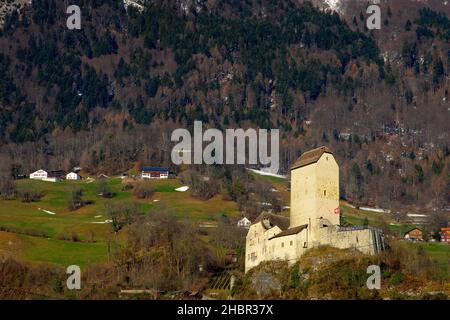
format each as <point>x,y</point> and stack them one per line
<point>108,96</point>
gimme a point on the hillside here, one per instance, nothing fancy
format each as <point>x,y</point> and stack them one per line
<point>329,273</point>
<point>108,96</point>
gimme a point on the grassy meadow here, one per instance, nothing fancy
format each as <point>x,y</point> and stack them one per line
<point>35,235</point>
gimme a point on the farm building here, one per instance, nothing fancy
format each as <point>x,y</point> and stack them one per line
<point>445,235</point>
<point>50,176</point>
<point>154,173</point>
<point>414,235</point>
<point>39,175</point>
<point>244,223</point>
<point>73,176</point>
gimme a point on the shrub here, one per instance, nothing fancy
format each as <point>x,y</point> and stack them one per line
<point>30,194</point>
<point>397,278</point>
<point>144,189</point>
<point>75,237</point>
<point>61,236</point>
<point>76,201</point>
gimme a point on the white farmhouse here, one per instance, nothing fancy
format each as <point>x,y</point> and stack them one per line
<point>154,173</point>
<point>73,176</point>
<point>39,175</point>
<point>244,223</point>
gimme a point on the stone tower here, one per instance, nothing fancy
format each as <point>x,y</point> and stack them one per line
<point>315,191</point>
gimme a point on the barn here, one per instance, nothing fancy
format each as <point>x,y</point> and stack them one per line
<point>39,175</point>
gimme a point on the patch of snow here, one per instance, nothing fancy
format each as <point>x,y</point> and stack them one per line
<point>99,216</point>
<point>265,173</point>
<point>182,189</point>
<point>46,211</point>
<point>102,222</point>
<point>156,200</point>
<point>416,215</point>
<point>379,210</point>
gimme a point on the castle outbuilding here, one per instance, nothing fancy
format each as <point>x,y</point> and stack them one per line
<point>314,217</point>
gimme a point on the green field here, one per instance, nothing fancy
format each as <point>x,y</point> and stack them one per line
<point>34,235</point>
<point>440,252</point>
<point>358,218</point>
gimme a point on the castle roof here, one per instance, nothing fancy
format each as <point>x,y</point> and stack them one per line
<point>290,231</point>
<point>274,220</point>
<point>309,157</point>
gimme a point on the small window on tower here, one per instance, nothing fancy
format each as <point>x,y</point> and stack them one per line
<point>327,158</point>
<point>282,244</point>
<point>291,243</point>
<point>324,193</point>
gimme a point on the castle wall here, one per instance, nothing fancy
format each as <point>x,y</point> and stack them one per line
<point>259,248</point>
<point>365,240</point>
<point>303,198</point>
<point>256,244</point>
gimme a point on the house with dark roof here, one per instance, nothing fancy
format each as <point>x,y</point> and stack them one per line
<point>415,234</point>
<point>154,173</point>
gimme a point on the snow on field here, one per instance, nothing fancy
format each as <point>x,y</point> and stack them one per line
<point>102,222</point>
<point>379,210</point>
<point>265,173</point>
<point>156,200</point>
<point>99,216</point>
<point>46,211</point>
<point>416,215</point>
<point>182,189</point>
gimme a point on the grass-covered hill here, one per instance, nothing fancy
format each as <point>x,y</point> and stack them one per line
<point>80,237</point>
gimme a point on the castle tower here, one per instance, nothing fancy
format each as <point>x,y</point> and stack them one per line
<point>315,190</point>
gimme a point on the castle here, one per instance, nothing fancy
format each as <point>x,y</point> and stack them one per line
<point>314,217</point>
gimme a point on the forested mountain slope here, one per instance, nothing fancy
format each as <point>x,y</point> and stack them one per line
<point>108,96</point>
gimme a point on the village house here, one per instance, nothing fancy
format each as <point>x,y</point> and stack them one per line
<point>39,175</point>
<point>414,234</point>
<point>244,223</point>
<point>314,217</point>
<point>49,176</point>
<point>73,176</point>
<point>445,235</point>
<point>154,173</point>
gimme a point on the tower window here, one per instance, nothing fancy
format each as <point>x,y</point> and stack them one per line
<point>324,193</point>
<point>282,244</point>
<point>291,243</point>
